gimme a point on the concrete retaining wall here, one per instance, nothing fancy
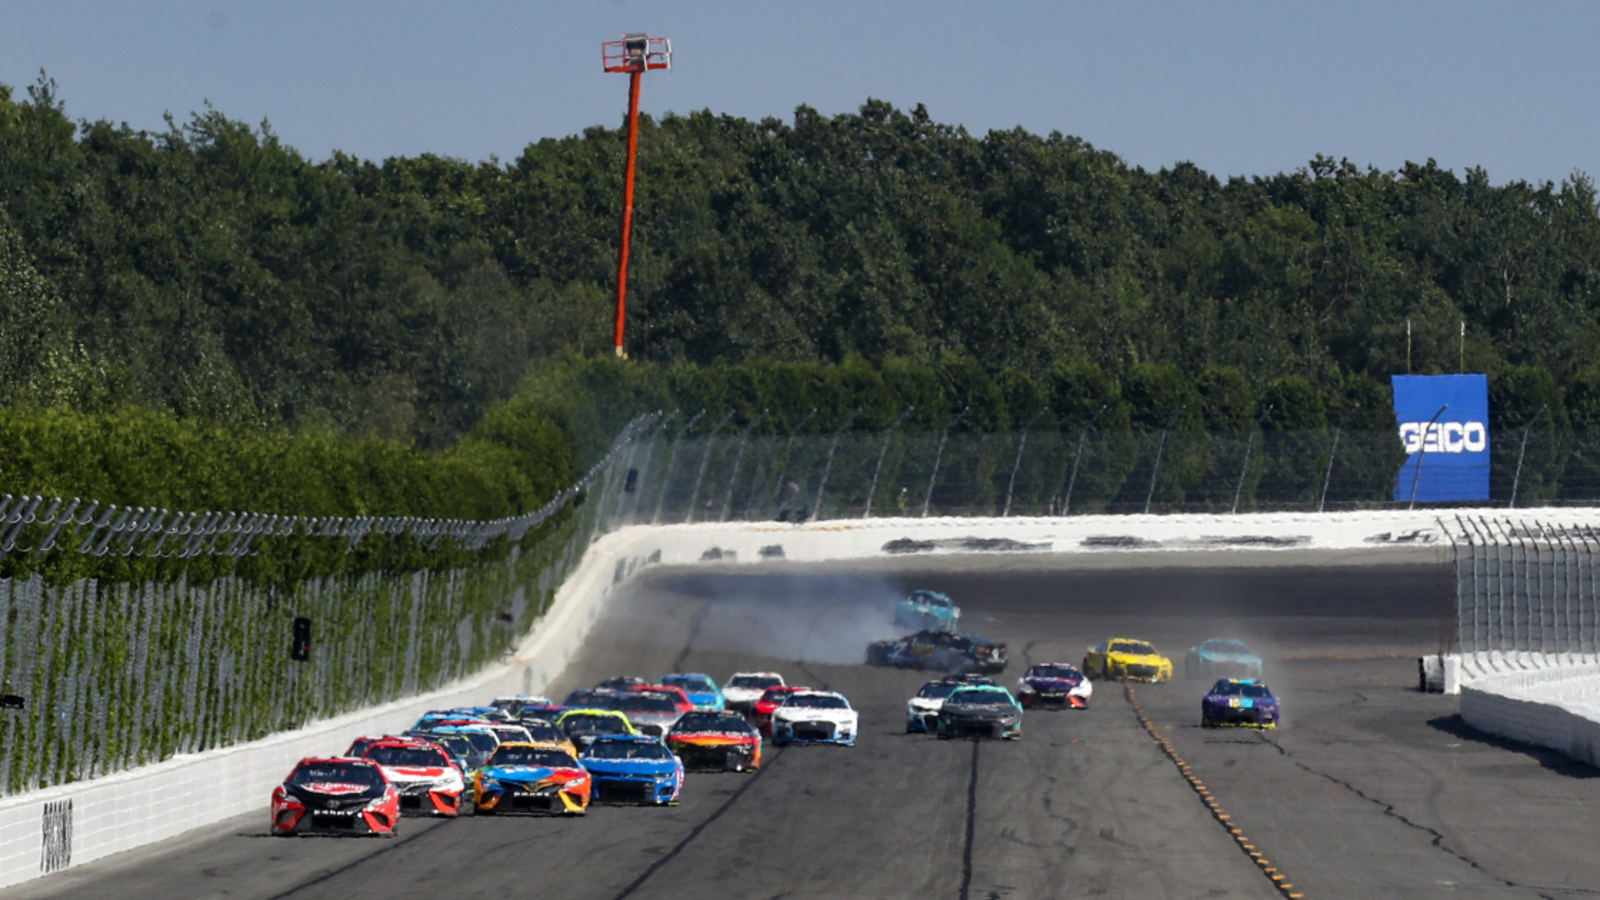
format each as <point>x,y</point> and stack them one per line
<point>47,830</point>
<point>1549,700</point>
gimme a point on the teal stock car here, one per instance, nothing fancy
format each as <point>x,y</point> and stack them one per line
<point>927,610</point>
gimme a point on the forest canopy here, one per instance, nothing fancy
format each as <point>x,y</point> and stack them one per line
<point>215,272</point>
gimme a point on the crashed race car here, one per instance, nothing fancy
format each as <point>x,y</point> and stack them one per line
<point>335,796</point>
<point>979,712</point>
<point>1060,685</point>
<point>718,742</point>
<point>942,651</point>
<point>927,609</point>
<point>815,717</point>
<point>1239,702</point>
<point>1128,660</point>
<point>745,688</point>
<point>532,778</point>
<point>429,782</point>
<point>633,769</point>
<point>1221,658</point>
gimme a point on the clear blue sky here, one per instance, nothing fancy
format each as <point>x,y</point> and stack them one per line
<point>1237,88</point>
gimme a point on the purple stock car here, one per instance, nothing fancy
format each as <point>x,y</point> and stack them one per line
<point>1054,684</point>
<point>1241,702</point>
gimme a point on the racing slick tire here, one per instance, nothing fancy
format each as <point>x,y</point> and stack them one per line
<point>466,808</point>
<point>877,656</point>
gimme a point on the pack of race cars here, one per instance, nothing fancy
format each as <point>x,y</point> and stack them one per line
<point>625,741</point>
<point>631,741</point>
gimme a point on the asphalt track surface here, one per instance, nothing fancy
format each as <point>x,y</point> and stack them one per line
<point>1370,789</point>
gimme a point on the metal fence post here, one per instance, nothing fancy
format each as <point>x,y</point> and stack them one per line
<point>816,506</point>
<point>938,456</point>
<point>1161,445</point>
<point>1422,453</point>
<point>1522,451</point>
<point>1072,480</point>
<point>666,471</point>
<point>882,452</point>
<point>787,446</point>
<point>1333,451</point>
<point>738,459</point>
<point>705,460</point>
<point>1249,441</point>
<point>1021,443</point>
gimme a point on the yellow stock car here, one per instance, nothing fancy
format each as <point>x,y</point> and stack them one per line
<point>1122,658</point>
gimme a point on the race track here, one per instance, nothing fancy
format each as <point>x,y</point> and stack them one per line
<point>1370,789</point>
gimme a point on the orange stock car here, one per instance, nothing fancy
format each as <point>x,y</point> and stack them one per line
<point>532,778</point>
<point>721,741</point>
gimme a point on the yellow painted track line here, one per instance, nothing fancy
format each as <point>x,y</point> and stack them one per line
<point>1246,846</point>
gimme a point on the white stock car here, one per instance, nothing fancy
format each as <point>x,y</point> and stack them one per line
<point>815,717</point>
<point>745,688</point>
<point>923,709</point>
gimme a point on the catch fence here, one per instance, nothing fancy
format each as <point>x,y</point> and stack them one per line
<point>100,676</point>
<point>111,674</point>
<point>1526,584</point>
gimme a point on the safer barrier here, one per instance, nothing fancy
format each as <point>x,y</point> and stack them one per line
<point>1549,700</point>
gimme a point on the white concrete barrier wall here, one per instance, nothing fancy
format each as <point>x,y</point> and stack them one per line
<point>1549,700</point>
<point>140,806</point>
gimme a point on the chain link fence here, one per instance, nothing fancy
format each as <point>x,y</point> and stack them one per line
<point>110,675</point>
<point>730,476</point>
<point>1523,584</point>
<point>113,674</point>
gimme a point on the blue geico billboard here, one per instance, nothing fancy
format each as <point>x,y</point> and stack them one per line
<point>1453,451</point>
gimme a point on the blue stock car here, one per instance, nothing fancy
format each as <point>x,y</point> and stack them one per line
<point>1240,702</point>
<point>701,689</point>
<point>633,769</point>
<point>927,609</point>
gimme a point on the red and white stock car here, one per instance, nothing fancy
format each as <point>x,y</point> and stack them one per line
<point>429,783</point>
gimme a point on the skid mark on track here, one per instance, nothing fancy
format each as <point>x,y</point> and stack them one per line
<point>972,824</point>
<point>694,833</point>
<point>1436,838</point>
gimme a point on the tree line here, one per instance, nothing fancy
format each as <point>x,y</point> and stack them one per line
<point>212,270</point>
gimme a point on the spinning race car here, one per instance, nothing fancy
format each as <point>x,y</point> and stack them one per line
<point>1241,702</point>
<point>1054,684</point>
<point>927,609</point>
<point>335,796</point>
<point>939,650</point>
<point>1221,658</point>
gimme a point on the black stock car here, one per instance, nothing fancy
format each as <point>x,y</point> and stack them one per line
<point>942,651</point>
